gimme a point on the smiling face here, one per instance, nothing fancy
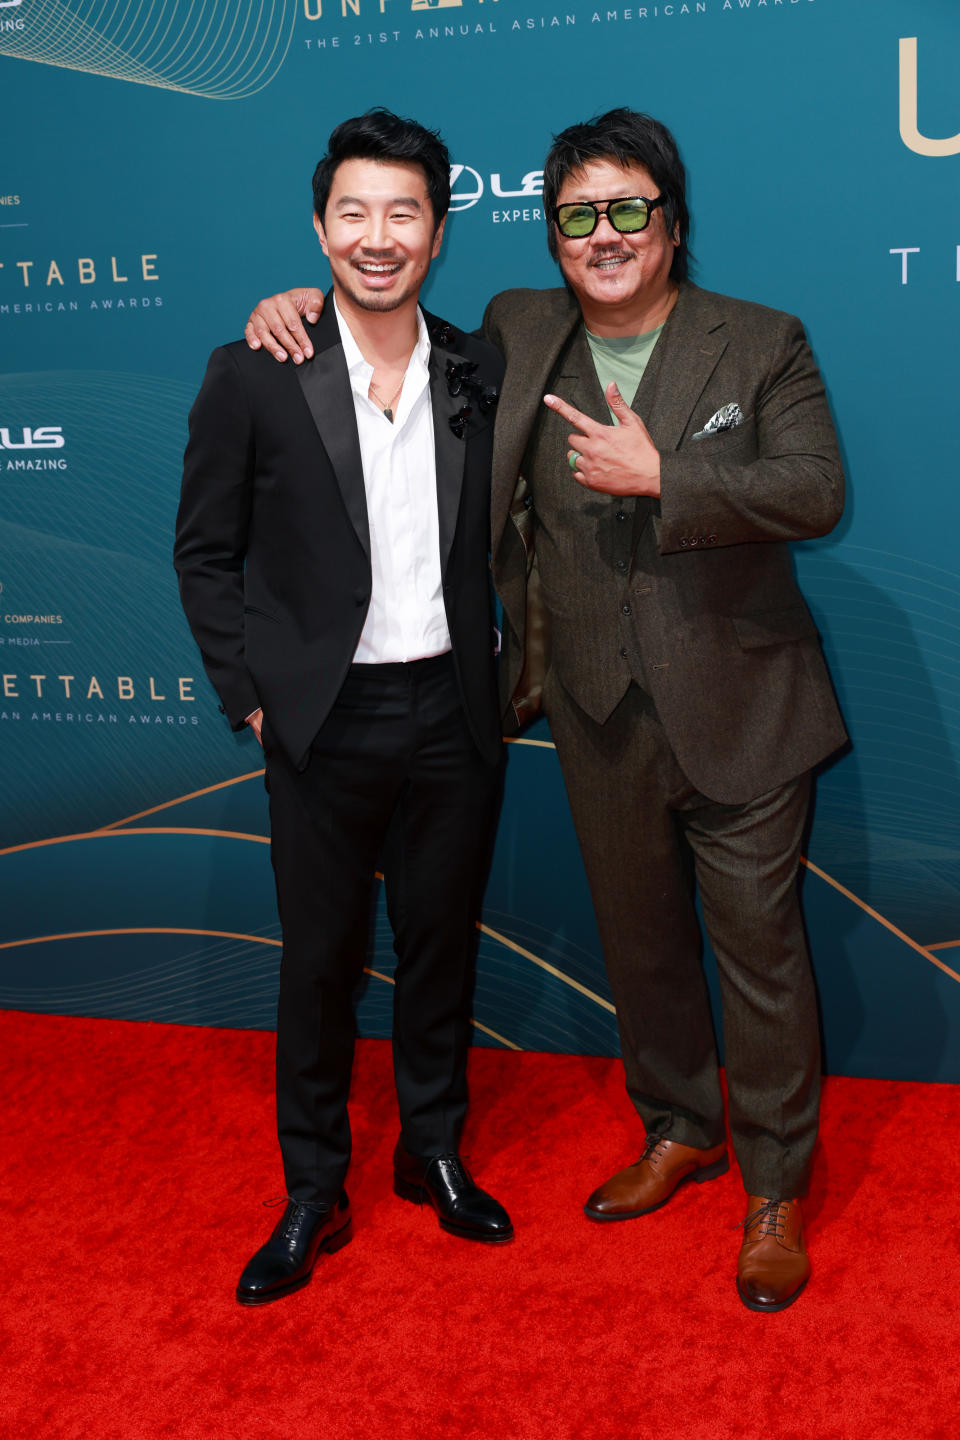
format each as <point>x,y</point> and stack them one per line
<point>378,233</point>
<point>621,281</point>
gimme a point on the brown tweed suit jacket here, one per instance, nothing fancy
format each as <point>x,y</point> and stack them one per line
<point>692,595</point>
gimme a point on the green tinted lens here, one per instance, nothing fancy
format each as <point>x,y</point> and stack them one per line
<point>576,220</point>
<point>628,215</point>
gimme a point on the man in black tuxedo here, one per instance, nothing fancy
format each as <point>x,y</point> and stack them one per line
<point>332,547</point>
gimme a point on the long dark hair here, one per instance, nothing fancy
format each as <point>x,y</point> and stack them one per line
<point>629,138</point>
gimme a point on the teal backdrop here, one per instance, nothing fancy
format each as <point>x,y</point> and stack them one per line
<point>155,181</point>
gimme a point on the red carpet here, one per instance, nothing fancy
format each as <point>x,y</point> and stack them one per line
<point>135,1160</point>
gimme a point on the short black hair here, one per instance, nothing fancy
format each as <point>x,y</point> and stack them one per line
<point>629,138</point>
<point>378,134</point>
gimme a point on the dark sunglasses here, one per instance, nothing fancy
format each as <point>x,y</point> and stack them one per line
<point>628,215</point>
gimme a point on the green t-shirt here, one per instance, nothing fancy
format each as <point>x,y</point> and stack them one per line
<point>622,358</point>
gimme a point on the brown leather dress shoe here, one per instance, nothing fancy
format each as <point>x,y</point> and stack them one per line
<point>651,1180</point>
<point>773,1266</point>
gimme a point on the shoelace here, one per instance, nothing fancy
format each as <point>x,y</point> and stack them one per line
<point>652,1146</point>
<point>297,1215</point>
<point>767,1218</point>
<point>456,1172</point>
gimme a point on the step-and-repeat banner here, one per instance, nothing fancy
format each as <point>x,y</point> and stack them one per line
<point>155,181</point>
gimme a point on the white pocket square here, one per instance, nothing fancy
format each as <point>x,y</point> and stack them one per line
<point>726,418</point>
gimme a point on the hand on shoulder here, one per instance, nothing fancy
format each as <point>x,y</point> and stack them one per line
<point>275,324</point>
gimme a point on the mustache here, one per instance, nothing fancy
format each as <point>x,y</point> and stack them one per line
<point>615,252</point>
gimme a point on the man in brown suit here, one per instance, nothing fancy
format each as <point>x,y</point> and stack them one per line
<point>649,598</point>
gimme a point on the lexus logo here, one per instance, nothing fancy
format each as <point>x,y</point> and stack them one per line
<point>467,186</point>
<point>42,437</point>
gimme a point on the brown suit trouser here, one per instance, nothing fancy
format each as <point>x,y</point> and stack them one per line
<point>650,841</point>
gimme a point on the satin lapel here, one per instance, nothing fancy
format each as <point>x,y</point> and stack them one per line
<point>686,354</point>
<point>521,400</point>
<point>326,387</point>
<point>451,452</point>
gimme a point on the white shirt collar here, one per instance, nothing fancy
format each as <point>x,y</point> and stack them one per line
<point>360,370</point>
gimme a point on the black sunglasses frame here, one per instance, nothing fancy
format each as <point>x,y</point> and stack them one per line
<point>592,204</point>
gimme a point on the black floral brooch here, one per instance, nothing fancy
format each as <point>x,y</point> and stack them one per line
<point>461,381</point>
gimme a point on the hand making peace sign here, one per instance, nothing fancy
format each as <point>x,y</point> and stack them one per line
<point>616,459</point>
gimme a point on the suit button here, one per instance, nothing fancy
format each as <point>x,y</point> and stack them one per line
<point>693,540</point>
<point>711,539</point>
<point>527,501</point>
<point>621,515</point>
<point>360,597</point>
<point>621,564</point>
<point>623,651</point>
<point>625,610</point>
<point>684,541</point>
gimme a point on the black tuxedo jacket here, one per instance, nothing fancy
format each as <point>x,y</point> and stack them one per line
<point>273,546</point>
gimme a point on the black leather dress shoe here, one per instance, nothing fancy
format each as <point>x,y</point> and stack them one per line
<point>444,1182</point>
<point>286,1262</point>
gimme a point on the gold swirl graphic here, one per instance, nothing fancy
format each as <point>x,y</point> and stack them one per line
<point>924,950</point>
<point>114,829</point>
<point>218,934</point>
<point>218,49</point>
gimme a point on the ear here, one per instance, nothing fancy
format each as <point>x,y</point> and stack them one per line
<point>675,237</point>
<point>318,226</point>
<point>438,239</point>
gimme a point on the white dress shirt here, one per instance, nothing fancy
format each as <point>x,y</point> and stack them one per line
<point>406,619</point>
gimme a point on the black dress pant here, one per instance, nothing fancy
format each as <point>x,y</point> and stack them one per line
<point>649,841</point>
<point>393,776</point>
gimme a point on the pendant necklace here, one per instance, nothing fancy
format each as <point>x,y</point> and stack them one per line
<point>388,408</point>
